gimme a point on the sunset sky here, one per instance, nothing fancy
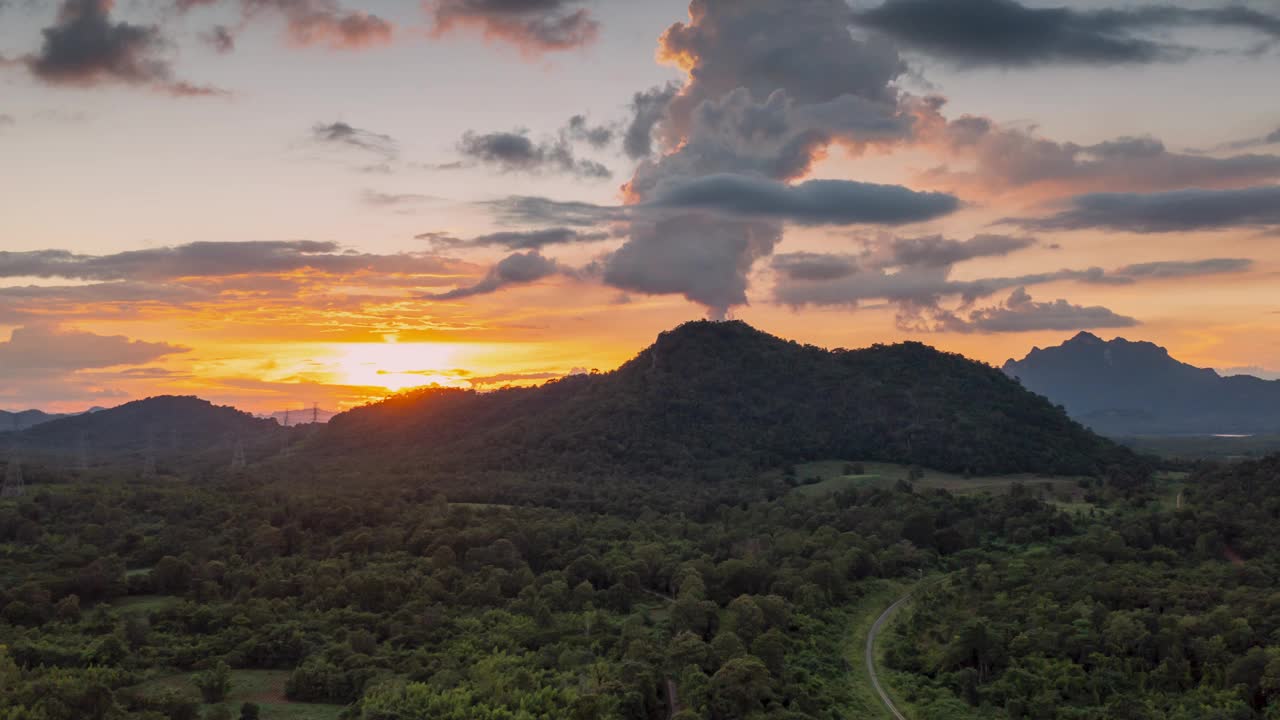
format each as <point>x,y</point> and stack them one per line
<point>271,203</point>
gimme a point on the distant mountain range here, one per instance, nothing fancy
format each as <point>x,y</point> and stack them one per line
<point>1124,388</point>
<point>722,398</point>
<point>11,421</point>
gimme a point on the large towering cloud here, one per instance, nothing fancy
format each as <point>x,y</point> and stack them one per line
<point>533,26</point>
<point>86,47</point>
<point>1009,34</point>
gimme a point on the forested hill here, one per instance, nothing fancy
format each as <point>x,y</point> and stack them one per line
<point>1120,387</point>
<point>14,421</point>
<point>725,398</point>
<point>169,425</point>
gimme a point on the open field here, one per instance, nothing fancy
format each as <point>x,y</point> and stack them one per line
<point>263,687</point>
<point>829,476</point>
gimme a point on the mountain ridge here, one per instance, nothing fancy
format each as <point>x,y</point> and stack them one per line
<point>726,396</point>
<point>1124,387</point>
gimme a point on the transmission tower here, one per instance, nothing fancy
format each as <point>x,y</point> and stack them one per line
<point>315,413</point>
<point>238,462</point>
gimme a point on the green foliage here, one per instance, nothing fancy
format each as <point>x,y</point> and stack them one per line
<point>1158,612</point>
<point>214,683</point>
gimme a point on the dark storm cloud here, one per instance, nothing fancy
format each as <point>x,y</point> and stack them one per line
<point>647,110</point>
<point>1173,211</point>
<point>815,202</point>
<point>1020,313</point>
<point>1008,34</point>
<point>533,26</point>
<point>517,269</point>
<point>307,23</point>
<point>345,135</point>
<point>516,152</point>
<point>85,47</point>
<point>517,240</point>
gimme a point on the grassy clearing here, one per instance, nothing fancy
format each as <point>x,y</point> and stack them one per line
<point>263,687</point>
<point>144,603</point>
<point>834,476</point>
<point>865,704</point>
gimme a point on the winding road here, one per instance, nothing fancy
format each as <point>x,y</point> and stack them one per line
<point>870,657</point>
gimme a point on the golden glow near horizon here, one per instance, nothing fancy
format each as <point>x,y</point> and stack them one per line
<point>269,263</point>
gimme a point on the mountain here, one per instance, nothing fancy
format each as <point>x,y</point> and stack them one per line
<point>720,398</point>
<point>173,428</point>
<point>1135,388</point>
<point>17,421</point>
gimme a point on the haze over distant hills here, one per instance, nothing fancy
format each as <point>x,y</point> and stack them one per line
<point>1135,388</point>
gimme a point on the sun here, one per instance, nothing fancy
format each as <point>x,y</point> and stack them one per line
<point>399,366</point>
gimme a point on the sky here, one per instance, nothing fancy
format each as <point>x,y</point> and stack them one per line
<point>275,203</point>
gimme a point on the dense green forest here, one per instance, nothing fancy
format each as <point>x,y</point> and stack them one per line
<point>397,603</point>
<point>1164,612</point>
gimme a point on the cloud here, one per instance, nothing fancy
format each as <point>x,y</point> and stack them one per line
<point>647,109</point>
<point>531,209</point>
<point>508,378</point>
<point>84,48</point>
<point>1170,269</point>
<point>341,134</point>
<point>212,259</point>
<point>395,200</point>
<point>579,129</point>
<point>937,251</point>
<point>308,23</point>
<point>1164,212</point>
<point>533,26</point>
<point>1019,313</point>
<point>516,152</point>
<point>517,240</point>
<point>41,350</point>
<point>1005,33</point>
<point>1272,138</point>
<point>1005,159</point>
<point>700,256</point>
<point>7,120</point>
<point>516,269</point>
<point>814,202</point>
<point>808,266</point>
<point>220,38</point>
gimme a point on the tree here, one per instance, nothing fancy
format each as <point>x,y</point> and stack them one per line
<point>214,683</point>
<point>738,688</point>
<point>249,711</point>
